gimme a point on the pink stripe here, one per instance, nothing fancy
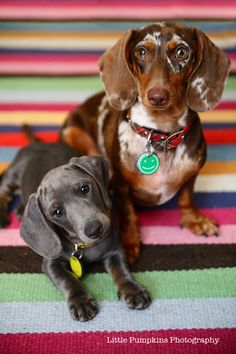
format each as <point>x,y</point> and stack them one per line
<point>203,11</point>
<point>45,58</point>
<point>164,217</point>
<point>98,342</point>
<point>165,235</point>
<point>172,217</point>
<point>156,235</point>
<point>52,68</point>
<point>14,222</point>
<point>11,237</point>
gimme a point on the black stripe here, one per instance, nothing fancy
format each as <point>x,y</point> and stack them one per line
<point>164,257</point>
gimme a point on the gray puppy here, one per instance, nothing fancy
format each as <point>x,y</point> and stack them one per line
<point>69,221</point>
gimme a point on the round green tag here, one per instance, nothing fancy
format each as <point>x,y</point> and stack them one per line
<point>148,164</point>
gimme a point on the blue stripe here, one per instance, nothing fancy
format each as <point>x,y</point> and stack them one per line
<point>215,153</point>
<point>35,128</point>
<point>221,152</point>
<point>219,126</point>
<point>39,128</point>
<point>7,154</point>
<point>202,199</point>
<point>37,317</point>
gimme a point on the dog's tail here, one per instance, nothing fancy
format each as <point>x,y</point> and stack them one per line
<point>29,134</point>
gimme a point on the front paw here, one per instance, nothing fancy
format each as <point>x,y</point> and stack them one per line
<point>135,296</point>
<point>201,225</point>
<point>83,308</point>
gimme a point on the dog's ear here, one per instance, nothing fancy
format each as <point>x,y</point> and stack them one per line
<point>96,167</point>
<point>210,72</point>
<point>119,82</point>
<point>37,232</point>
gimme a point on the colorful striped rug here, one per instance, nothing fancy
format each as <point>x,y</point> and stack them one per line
<point>48,65</point>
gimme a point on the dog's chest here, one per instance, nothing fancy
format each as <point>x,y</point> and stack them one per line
<point>175,168</point>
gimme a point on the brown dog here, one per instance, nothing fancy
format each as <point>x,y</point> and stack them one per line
<point>156,79</point>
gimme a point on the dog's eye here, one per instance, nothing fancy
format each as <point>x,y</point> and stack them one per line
<point>141,52</point>
<point>85,188</point>
<point>181,53</point>
<point>57,213</point>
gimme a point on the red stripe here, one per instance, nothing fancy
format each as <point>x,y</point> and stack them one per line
<point>8,107</point>
<point>220,136</point>
<point>50,107</point>
<point>163,341</point>
<point>18,139</point>
<point>226,105</point>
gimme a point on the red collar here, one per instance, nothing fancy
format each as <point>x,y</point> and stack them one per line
<point>158,139</point>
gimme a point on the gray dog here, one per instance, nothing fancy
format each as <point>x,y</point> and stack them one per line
<point>68,220</point>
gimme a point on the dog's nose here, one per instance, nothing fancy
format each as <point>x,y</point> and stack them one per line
<point>93,229</point>
<point>158,97</point>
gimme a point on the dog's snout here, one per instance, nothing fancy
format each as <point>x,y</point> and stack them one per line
<point>158,97</point>
<point>93,229</point>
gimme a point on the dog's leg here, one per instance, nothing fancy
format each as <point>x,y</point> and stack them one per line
<point>191,218</point>
<point>80,141</point>
<point>9,181</point>
<point>81,304</point>
<point>133,293</point>
<point>129,231</point>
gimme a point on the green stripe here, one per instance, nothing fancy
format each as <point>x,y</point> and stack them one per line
<point>104,26</point>
<point>55,84</point>
<point>66,83</point>
<point>205,283</point>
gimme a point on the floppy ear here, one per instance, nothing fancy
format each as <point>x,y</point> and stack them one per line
<point>96,167</point>
<point>207,81</point>
<point>37,232</point>
<point>119,82</point>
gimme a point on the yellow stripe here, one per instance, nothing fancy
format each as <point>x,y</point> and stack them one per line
<point>33,117</point>
<point>45,117</point>
<point>52,35</point>
<point>222,116</point>
<point>13,34</point>
<point>213,167</point>
<point>3,166</point>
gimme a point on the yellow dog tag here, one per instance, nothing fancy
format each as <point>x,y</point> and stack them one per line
<point>76,266</point>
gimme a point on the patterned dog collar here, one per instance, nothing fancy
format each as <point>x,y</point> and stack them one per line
<point>158,139</point>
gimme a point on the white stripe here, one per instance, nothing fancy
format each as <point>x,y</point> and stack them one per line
<point>36,317</point>
<point>216,183</point>
<point>44,96</point>
<point>18,96</point>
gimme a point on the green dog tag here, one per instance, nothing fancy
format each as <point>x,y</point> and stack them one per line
<point>148,164</point>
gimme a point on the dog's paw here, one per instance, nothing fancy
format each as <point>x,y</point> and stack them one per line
<point>83,308</point>
<point>201,225</point>
<point>135,296</point>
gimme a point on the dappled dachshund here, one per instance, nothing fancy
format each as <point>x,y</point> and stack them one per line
<point>156,79</point>
<point>68,220</point>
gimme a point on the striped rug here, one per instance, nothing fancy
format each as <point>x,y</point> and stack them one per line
<point>48,65</point>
